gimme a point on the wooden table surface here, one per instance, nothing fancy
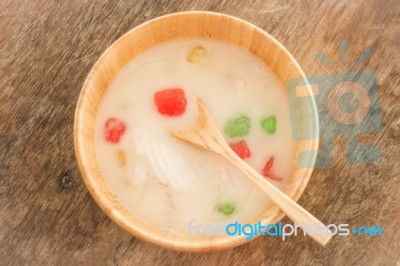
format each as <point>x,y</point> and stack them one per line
<point>48,47</point>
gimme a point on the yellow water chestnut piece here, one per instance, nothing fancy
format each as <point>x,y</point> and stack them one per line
<point>121,155</point>
<point>196,54</point>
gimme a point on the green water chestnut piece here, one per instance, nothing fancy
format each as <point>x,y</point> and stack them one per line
<point>238,127</point>
<point>269,124</point>
<point>226,208</point>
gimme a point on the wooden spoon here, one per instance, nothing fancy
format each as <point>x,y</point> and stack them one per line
<point>206,135</point>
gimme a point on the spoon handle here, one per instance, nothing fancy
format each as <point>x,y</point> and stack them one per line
<point>205,134</point>
<point>315,228</point>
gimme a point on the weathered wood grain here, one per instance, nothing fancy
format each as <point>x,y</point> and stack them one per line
<point>48,47</point>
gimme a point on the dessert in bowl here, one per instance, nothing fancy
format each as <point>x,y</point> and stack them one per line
<point>155,186</point>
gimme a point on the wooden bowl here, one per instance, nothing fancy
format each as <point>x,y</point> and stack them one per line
<point>184,25</point>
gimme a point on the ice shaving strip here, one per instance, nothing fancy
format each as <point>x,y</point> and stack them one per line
<point>168,165</point>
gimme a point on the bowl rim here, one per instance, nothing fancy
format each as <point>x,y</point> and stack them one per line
<point>103,201</point>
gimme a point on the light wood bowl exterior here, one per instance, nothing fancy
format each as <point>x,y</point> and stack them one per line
<point>180,25</point>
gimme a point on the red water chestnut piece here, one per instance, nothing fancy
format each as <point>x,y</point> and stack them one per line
<point>114,129</point>
<point>170,102</point>
<point>267,171</point>
<point>241,149</point>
